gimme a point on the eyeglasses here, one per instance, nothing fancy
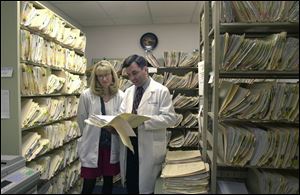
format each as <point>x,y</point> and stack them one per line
<point>103,76</point>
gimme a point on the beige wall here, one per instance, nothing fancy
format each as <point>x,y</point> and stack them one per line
<point>122,41</point>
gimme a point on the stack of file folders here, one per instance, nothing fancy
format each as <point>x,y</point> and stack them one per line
<point>260,11</point>
<point>179,139</point>
<point>189,120</point>
<point>272,182</point>
<point>264,146</point>
<point>73,83</point>
<point>188,81</point>
<point>49,165</point>
<point>174,59</point>
<point>180,59</point>
<point>48,23</point>
<point>275,52</point>
<point>152,59</point>
<point>271,101</point>
<point>179,118</point>
<point>125,83</point>
<point>183,101</point>
<point>76,188</point>
<point>41,110</point>
<point>185,172</point>
<point>117,64</point>
<point>158,78</point>
<point>36,80</point>
<point>66,179</point>
<point>44,139</point>
<point>37,49</point>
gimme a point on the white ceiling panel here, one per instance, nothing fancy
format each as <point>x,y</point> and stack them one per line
<point>172,8</point>
<point>130,9</point>
<point>83,10</point>
<point>101,13</point>
<point>171,20</point>
<point>95,22</point>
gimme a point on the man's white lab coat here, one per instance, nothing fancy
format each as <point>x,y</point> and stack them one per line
<point>152,141</point>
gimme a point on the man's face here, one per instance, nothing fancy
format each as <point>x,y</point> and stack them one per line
<point>137,75</point>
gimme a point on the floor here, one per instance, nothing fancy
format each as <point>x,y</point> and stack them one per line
<point>117,189</point>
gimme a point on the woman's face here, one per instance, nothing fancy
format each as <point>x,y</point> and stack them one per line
<point>105,80</point>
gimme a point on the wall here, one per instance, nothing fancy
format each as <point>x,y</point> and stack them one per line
<point>122,41</point>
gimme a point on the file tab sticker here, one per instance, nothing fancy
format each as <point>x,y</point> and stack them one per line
<point>152,70</point>
<point>6,71</point>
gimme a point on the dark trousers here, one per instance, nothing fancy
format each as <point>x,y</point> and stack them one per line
<point>132,168</point>
<point>89,185</point>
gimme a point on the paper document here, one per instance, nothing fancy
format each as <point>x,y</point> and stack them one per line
<point>123,123</point>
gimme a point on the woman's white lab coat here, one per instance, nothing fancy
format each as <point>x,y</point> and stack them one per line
<point>88,143</point>
<point>152,142</point>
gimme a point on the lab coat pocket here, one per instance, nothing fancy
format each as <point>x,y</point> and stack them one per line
<point>152,106</point>
<point>159,150</point>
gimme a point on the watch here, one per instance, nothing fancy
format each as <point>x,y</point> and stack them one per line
<point>149,41</point>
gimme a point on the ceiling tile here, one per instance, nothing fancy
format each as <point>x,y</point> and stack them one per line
<point>172,8</point>
<point>95,22</point>
<point>93,13</point>
<point>118,9</point>
<point>171,20</point>
<point>82,10</point>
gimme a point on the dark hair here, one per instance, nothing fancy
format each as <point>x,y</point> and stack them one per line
<point>139,60</point>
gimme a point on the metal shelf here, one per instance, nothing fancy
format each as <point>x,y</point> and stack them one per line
<point>184,89</point>
<point>258,121</point>
<point>264,28</point>
<point>209,137</point>
<point>48,123</point>
<point>183,128</point>
<point>192,109</point>
<point>43,182</point>
<point>49,95</point>
<point>259,74</point>
<point>51,67</point>
<point>211,120</point>
<point>184,148</point>
<point>170,69</point>
<point>222,164</point>
<point>55,149</point>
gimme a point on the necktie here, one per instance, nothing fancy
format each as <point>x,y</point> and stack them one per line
<point>137,99</point>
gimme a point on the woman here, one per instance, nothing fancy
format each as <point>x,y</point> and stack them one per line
<point>98,149</point>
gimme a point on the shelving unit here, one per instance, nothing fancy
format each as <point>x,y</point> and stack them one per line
<point>211,31</point>
<point>180,71</point>
<point>11,128</point>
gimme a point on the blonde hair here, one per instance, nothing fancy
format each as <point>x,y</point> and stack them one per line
<point>100,68</point>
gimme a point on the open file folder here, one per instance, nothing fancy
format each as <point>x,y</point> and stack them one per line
<point>123,123</point>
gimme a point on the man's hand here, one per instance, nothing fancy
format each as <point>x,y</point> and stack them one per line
<point>110,129</point>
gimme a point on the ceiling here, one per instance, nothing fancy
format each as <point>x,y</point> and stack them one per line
<point>109,13</point>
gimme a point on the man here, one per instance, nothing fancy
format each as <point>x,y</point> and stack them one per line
<point>146,97</point>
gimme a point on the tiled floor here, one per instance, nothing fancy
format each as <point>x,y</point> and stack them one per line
<point>117,189</point>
